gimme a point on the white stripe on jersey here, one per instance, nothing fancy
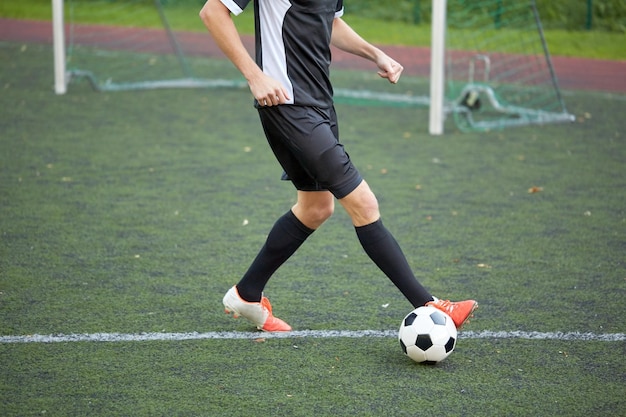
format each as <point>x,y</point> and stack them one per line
<point>272,14</point>
<point>232,6</point>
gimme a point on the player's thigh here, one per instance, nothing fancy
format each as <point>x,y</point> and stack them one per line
<point>325,158</point>
<point>305,142</point>
<point>284,128</point>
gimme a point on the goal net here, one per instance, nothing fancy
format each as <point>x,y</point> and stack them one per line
<point>489,65</point>
<point>497,66</point>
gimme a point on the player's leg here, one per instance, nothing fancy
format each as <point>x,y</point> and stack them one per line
<point>380,245</point>
<point>361,205</point>
<point>289,232</point>
<point>246,298</point>
<point>313,207</point>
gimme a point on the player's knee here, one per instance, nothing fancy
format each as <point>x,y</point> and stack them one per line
<point>364,214</point>
<point>320,213</point>
<point>313,214</point>
<point>362,205</point>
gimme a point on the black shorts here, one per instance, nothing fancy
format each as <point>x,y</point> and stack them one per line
<point>305,141</point>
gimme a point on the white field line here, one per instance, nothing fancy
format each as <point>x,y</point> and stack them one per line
<point>315,334</point>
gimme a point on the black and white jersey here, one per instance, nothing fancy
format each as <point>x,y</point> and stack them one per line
<point>293,45</point>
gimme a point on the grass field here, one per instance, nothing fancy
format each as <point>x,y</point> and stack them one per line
<point>129,214</point>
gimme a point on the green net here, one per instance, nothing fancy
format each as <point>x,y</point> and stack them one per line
<point>131,46</point>
<point>498,66</point>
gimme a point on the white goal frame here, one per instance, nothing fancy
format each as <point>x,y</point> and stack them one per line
<point>437,115</point>
<point>58,37</point>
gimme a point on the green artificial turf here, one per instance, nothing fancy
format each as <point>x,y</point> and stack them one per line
<point>311,377</point>
<point>134,212</point>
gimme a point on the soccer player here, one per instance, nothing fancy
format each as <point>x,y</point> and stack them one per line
<point>289,79</point>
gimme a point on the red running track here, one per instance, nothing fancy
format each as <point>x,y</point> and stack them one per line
<point>572,73</point>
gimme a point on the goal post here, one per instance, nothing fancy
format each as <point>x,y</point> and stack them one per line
<point>58,36</point>
<point>437,68</point>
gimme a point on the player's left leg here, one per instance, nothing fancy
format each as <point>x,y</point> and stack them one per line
<point>380,245</point>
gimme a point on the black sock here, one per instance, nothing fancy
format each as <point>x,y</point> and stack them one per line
<point>384,250</point>
<point>283,240</point>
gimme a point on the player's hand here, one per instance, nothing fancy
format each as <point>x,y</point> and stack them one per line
<point>268,91</point>
<point>389,69</point>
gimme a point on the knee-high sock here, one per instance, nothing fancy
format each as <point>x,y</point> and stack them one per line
<point>286,236</point>
<point>383,249</point>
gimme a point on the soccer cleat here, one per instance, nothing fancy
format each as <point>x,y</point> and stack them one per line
<point>259,313</point>
<point>459,311</point>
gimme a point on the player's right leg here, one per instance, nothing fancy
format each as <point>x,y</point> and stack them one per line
<point>313,208</point>
<point>289,232</point>
<point>259,313</point>
<point>287,130</point>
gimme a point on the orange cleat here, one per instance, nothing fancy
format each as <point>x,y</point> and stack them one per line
<point>259,313</point>
<point>459,311</point>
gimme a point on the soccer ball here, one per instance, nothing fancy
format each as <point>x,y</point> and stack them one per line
<point>427,335</point>
<point>471,100</point>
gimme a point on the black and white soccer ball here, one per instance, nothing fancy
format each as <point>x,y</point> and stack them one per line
<point>427,335</point>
